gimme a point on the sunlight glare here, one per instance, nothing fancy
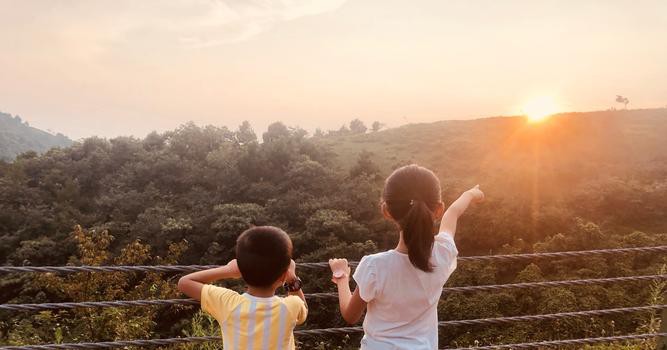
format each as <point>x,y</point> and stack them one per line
<point>540,108</point>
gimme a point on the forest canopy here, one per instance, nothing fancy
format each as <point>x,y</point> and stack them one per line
<point>577,181</point>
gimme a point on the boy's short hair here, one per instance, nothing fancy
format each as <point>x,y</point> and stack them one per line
<point>263,254</point>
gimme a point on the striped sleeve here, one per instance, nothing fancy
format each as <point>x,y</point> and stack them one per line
<point>219,302</point>
<point>297,308</point>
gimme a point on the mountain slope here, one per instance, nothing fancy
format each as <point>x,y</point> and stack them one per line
<point>17,137</point>
<point>431,142</point>
<point>513,157</point>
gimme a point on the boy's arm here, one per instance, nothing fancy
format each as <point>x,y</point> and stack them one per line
<point>291,276</point>
<point>449,220</point>
<point>299,294</point>
<point>192,284</point>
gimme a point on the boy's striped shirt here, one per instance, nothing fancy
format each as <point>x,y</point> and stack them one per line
<point>249,322</point>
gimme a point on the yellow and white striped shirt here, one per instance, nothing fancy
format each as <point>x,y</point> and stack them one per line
<point>249,322</point>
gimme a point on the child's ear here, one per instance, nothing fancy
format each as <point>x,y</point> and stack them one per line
<point>439,211</point>
<point>385,211</point>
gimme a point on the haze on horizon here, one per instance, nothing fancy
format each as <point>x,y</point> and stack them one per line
<point>128,67</point>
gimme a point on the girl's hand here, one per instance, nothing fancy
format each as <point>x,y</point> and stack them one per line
<point>232,269</point>
<point>476,194</point>
<point>340,269</point>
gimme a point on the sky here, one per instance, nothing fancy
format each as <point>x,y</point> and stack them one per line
<point>127,67</point>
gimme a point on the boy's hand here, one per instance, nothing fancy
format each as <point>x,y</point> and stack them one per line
<point>340,269</point>
<point>476,194</point>
<point>232,269</point>
<point>192,284</point>
<point>291,271</point>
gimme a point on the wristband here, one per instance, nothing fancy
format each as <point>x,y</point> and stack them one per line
<point>294,285</point>
<point>339,274</point>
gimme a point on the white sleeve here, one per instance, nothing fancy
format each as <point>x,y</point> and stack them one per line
<point>445,253</point>
<point>366,278</point>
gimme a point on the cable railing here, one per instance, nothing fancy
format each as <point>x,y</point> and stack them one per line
<point>356,329</point>
<point>331,295</point>
<point>349,330</point>
<point>321,265</point>
<point>580,341</point>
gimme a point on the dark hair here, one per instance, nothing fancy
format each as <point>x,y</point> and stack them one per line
<point>411,194</point>
<point>263,254</point>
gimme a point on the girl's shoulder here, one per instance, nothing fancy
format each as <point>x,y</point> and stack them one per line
<point>373,259</point>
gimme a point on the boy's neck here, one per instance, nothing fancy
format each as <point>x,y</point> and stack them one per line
<point>261,292</point>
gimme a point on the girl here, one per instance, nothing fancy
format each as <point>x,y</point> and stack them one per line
<point>401,287</point>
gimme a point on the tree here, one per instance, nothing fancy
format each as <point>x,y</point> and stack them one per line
<point>365,165</point>
<point>153,141</point>
<point>192,142</point>
<point>328,223</point>
<point>623,100</point>
<point>101,323</point>
<point>230,221</point>
<point>376,126</point>
<point>245,134</point>
<point>275,132</point>
<point>357,126</point>
<point>308,175</point>
<point>344,130</point>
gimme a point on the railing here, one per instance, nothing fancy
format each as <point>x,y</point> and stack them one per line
<point>348,330</point>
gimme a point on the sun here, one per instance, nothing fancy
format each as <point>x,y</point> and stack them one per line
<point>540,108</point>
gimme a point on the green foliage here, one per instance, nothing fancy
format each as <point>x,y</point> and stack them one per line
<point>598,181</point>
<point>358,127</point>
<point>376,126</point>
<point>97,324</point>
<point>365,166</point>
<point>202,325</point>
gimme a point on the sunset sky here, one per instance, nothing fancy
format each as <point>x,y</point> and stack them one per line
<point>127,67</point>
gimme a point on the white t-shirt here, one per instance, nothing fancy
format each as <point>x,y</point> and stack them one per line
<point>402,310</point>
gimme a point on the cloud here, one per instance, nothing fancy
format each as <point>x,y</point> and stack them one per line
<point>231,21</point>
<point>95,25</point>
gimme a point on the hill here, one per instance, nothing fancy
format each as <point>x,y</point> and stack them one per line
<point>17,137</point>
<point>569,156</point>
<point>566,149</point>
<point>567,134</point>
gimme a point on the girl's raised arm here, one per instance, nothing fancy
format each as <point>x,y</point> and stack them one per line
<point>451,217</point>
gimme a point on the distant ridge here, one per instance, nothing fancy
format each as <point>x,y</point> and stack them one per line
<point>17,137</point>
<point>507,152</point>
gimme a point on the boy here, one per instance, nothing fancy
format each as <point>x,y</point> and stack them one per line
<point>257,319</point>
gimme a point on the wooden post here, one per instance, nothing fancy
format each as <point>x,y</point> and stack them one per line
<point>662,341</point>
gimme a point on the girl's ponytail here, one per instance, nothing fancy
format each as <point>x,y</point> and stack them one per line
<point>417,226</point>
<point>411,194</point>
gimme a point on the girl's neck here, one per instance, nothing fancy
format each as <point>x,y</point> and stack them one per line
<point>401,247</point>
